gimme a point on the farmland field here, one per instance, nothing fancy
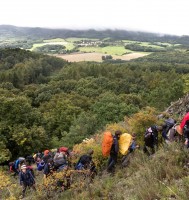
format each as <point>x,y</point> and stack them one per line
<point>90,49</point>
<point>112,50</point>
<point>78,57</point>
<point>148,44</point>
<point>58,41</point>
<point>79,39</point>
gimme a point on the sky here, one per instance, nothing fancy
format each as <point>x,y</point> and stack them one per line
<point>159,16</point>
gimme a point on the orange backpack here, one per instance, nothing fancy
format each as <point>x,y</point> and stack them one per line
<point>107,143</point>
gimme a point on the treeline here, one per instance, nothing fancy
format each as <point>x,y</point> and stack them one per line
<point>73,100</point>
<point>51,49</point>
<point>172,57</point>
<point>137,47</point>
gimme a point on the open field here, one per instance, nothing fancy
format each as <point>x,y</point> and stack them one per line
<point>91,51</point>
<point>79,39</point>
<point>78,57</point>
<point>112,50</point>
<point>58,41</point>
<point>54,40</point>
<point>148,44</point>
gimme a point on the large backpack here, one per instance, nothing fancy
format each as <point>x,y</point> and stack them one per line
<point>125,141</point>
<point>41,166</point>
<point>59,162</point>
<point>63,149</point>
<point>107,143</point>
<point>11,166</point>
<point>16,164</point>
<point>169,123</point>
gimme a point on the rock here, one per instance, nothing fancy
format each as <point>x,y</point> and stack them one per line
<point>179,107</point>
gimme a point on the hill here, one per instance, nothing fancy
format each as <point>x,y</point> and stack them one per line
<point>70,101</point>
<point>102,45</point>
<point>46,102</point>
<point>8,31</point>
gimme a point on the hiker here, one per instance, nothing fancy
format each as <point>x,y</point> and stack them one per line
<point>30,160</point>
<point>151,139</point>
<point>57,154</point>
<point>13,169</point>
<point>172,135</point>
<point>46,156</point>
<point>48,168</point>
<point>37,156</point>
<point>184,125</point>
<point>16,165</point>
<point>133,145</point>
<point>169,123</point>
<point>84,161</point>
<point>60,161</point>
<point>26,179</point>
<point>114,152</point>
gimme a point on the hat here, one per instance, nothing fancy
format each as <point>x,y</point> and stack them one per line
<point>46,152</point>
<point>23,167</point>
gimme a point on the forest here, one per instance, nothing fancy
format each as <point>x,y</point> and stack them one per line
<point>46,101</point>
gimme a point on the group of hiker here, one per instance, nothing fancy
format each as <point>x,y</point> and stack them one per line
<point>171,131</point>
<point>126,143</point>
<point>49,162</point>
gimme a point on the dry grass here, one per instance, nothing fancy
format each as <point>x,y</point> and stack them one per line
<point>78,57</point>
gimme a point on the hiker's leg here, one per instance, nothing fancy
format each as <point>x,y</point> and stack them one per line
<point>125,160</point>
<point>24,187</point>
<point>33,187</point>
<point>16,172</point>
<point>111,163</point>
<point>145,150</point>
<point>152,150</point>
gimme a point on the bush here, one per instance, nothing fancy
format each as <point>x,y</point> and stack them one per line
<point>142,120</point>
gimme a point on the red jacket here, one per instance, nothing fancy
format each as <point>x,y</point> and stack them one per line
<point>183,122</point>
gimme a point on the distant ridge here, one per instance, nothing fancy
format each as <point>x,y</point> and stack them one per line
<point>9,31</point>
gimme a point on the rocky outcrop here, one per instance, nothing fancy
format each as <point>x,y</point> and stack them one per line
<point>179,107</point>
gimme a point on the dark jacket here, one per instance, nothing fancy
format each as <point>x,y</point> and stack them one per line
<point>85,159</point>
<point>48,169</point>
<point>115,146</point>
<point>151,136</point>
<point>46,158</point>
<point>27,178</point>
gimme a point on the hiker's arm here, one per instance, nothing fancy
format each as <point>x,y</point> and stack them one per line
<point>20,179</point>
<point>46,169</point>
<point>32,176</point>
<point>116,146</point>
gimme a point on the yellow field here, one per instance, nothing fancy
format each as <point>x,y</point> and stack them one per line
<point>78,57</point>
